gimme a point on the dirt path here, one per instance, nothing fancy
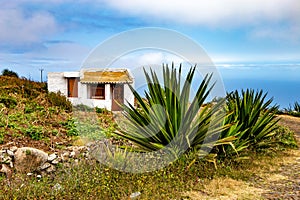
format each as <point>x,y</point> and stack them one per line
<point>285,182</point>
<point>278,178</point>
<point>292,123</point>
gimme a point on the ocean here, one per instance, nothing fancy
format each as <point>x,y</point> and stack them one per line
<point>280,81</point>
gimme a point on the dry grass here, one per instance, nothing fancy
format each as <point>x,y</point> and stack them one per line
<point>225,188</point>
<point>267,169</point>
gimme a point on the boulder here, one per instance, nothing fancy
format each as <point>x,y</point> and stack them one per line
<point>29,159</point>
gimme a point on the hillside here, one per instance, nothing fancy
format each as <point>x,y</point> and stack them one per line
<point>30,116</point>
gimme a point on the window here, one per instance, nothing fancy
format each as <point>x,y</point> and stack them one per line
<point>72,87</point>
<point>97,91</point>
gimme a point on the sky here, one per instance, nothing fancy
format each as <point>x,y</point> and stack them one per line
<point>57,35</point>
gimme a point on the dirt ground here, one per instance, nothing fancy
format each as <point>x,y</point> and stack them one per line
<point>280,180</point>
<point>291,122</point>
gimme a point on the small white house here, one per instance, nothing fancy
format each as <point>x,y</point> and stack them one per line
<point>103,88</point>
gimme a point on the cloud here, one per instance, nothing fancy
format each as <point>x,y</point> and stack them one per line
<point>212,13</point>
<point>290,33</point>
<point>18,28</point>
<point>146,58</point>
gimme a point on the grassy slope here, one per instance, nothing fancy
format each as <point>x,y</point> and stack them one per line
<point>29,117</point>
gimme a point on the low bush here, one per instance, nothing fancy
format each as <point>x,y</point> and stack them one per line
<point>34,132</point>
<point>293,110</point>
<point>59,100</point>
<point>101,110</point>
<point>9,102</point>
<point>82,107</point>
<point>71,127</point>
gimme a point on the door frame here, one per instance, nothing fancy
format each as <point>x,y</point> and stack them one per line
<point>114,104</point>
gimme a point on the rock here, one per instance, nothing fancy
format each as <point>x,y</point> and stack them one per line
<point>29,174</point>
<point>5,169</point>
<point>45,166</point>
<point>65,156</point>
<point>72,154</point>
<point>98,150</point>
<point>11,164</point>
<point>67,165</point>
<point>82,149</point>
<point>55,162</point>
<point>29,159</point>
<point>51,169</point>
<point>57,187</point>
<point>14,149</point>
<point>10,153</point>
<point>135,195</point>
<point>51,157</point>
<point>5,158</point>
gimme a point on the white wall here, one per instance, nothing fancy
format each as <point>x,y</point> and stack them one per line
<point>83,97</point>
<point>128,95</point>
<point>57,82</point>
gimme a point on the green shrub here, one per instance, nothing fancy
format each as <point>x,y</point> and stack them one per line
<point>7,72</point>
<point>294,110</point>
<point>9,102</point>
<point>71,127</point>
<point>82,107</point>
<point>101,110</point>
<point>59,100</point>
<point>252,120</point>
<point>34,132</point>
<point>167,118</point>
<point>283,138</point>
<point>1,135</point>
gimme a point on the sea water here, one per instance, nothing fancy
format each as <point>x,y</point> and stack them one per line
<point>280,81</point>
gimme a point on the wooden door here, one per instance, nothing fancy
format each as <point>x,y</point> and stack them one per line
<point>72,87</point>
<point>117,96</point>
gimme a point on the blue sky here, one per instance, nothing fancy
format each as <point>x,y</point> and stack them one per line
<point>58,34</point>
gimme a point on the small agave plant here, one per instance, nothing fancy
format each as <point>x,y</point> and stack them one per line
<point>252,120</point>
<point>166,118</point>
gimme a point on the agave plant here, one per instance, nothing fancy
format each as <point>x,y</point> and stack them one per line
<point>167,119</point>
<point>297,106</point>
<point>252,119</point>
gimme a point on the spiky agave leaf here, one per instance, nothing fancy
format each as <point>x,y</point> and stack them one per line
<point>168,118</point>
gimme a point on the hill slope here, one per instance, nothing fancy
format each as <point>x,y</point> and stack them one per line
<point>30,116</point>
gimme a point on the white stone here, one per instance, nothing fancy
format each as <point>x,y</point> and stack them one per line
<point>72,154</point>
<point>57,186</point>
<point>52,157</point>
<point>14,149</point>
<point>55,162</point>
<point>135,195</point>
<point>10,153</point>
